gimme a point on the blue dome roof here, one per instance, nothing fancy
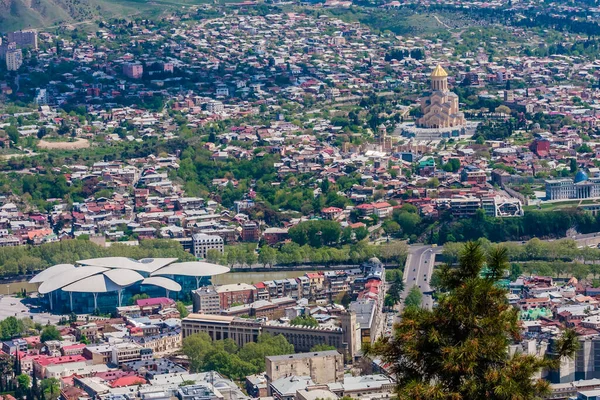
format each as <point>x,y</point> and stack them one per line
<point>581,176</point>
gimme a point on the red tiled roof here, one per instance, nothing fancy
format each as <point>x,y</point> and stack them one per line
<point>128,381</point>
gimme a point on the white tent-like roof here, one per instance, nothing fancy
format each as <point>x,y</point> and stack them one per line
<point>93,284</point>
<point>63,279</point>
<point>143,265</point>
<point>124,277</point>
<point>192,268</point>
<point>49,272</point>
<point>163,282</point>
<point>107,274</point>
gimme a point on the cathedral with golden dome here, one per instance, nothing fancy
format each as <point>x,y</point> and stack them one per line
<point>440,108</point>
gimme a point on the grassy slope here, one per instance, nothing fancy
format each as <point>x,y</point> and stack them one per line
<point>17,14</point>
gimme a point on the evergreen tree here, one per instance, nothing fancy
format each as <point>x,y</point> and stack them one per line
<point>459,350</point>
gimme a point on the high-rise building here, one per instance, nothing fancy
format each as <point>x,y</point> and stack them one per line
<point>14,57</point>
<point>133,70</point>
<point>24,38</point>
<point>509,94</point>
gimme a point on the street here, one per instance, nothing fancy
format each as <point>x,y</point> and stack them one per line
<point>417,271</point>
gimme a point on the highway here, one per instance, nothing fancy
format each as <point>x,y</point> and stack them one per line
<point>418,270</point>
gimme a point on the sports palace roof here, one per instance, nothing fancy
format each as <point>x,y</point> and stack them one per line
<point>109,274</point>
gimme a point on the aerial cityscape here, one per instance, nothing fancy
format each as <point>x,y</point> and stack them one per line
<point>299,200</point>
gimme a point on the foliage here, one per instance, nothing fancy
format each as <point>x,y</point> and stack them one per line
<point>542,224</point>
<point>494,130</point>
<point>322,347</point>
<point>393,252</point>
<point>225,357</point>
<point>394,277</point>
<point>294,254</point>
<point>304,320</point>
<point>414,298</point>
<point>50,332</point>
<point>460,348</point>
<point>136,297</point>
<point>22,259</point>
<point>11,327</point>
<point>267,256</point>
<point>50,388</point>
<point>316,233</point>
<point>23,380</point>
<point>183,311</point>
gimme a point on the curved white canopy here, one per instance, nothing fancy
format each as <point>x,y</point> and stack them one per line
<point>163,282</point>
<point>143,265</point>
<point>123,277</point>
<point>93,284</point>
<point>67,277</point>
<point>51,271</point>
<point>192,268</point>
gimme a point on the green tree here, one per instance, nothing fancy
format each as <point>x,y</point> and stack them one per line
<point>183,312</point>
<point>84,339</point>
<point>322,347</point>
<point>50,332</point>
<point>343,298</point>
<point>11,327</point>
<point>213,255</point>
<point>24,381</point>
<point>304,320</point>
<point>266,345</point>
<point>316,233</point>
<point>267,256</point>
<point>195,347</point>
<point>413,298</point>
<point>50,388</point>
<point>361,233</point>
<point>136,297</point>
<point>13,134</point>
<point>459,350</point>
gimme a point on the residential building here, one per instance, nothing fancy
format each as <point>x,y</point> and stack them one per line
<point>28,38</point>
<point>202,242</point>
<point>322,367</point>
<point>14,57</point>
<point>206,300</point>
<point>250,232</point>
<point>133,70</point>
<point>237,293</point>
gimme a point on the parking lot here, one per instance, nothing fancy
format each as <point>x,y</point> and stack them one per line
<point>13,306</point>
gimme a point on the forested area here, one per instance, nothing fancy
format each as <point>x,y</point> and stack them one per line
<point>293,254</point>
<point>541,224</point>
<point>559,258</point>
<point>25,259</point>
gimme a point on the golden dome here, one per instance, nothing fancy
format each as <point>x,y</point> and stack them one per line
<point>439,72</point>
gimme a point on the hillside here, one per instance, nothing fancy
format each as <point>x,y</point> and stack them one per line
<point>22,14</point>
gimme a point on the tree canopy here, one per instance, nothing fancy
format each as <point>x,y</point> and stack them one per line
<point>50,332</point>
<point>225,357</point>
<point>459,350</point>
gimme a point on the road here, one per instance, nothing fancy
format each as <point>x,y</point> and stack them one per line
<point>418,270</point>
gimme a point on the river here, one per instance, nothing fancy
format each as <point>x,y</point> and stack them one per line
<point>225,279</point>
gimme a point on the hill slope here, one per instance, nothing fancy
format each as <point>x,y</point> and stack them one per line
<point>23,14</point>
